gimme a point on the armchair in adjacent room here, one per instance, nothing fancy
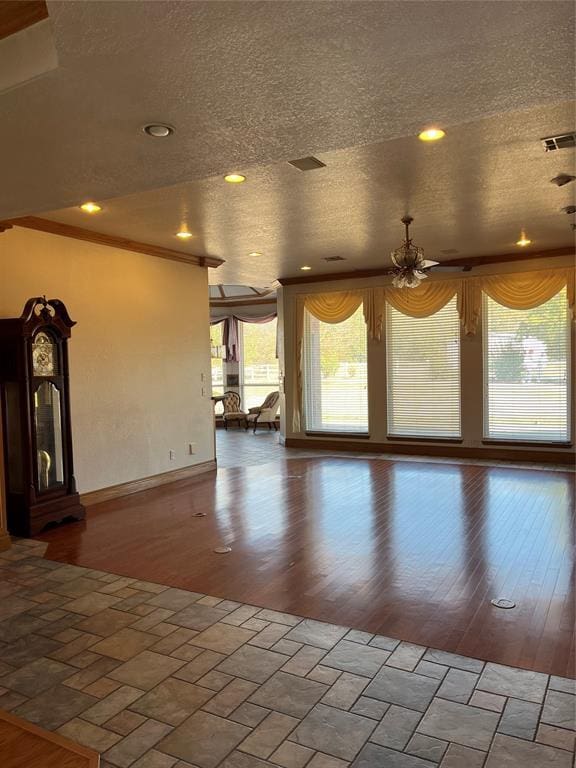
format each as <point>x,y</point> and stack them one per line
<point>232,412</point>
<point>265,413</point>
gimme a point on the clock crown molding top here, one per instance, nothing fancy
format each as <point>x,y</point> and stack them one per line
<point>37,312</point>
<point>40,310</point>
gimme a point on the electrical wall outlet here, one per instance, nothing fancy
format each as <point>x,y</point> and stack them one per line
<point>191,448</point>
<point>172,455</point>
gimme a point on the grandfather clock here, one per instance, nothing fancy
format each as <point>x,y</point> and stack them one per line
<point>34,387</point>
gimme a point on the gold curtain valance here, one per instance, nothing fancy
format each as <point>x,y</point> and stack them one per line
<point>338,307</point>
<point>333,307</point>
<point>425,300</point>
<point>529,289</point>
<point>521,290</point>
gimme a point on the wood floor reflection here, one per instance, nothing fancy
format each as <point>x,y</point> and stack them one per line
<point>408,549</point>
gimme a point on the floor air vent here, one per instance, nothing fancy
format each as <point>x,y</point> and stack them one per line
<point>307,163</point>
<point>565,141</point>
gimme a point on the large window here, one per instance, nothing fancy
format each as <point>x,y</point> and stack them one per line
<point>423,356</point>
<point>259,372</point>
<point>526,364</point>
<point>216,362</point>
<point>335,375</point>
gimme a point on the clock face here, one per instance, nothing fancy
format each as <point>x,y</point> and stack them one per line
<point>43,355</point>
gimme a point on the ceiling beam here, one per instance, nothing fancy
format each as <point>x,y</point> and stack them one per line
<point>16,15</point>
<point>78,233</point>
<point>471,262</point>
<point>242,303</point>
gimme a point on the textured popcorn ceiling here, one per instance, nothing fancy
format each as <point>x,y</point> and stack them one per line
<point>251,85</point>
<point>473,192</point>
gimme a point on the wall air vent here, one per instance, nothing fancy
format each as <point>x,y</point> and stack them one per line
<point>334,258</point>
<point>565,141</point>
<point>307,163</point>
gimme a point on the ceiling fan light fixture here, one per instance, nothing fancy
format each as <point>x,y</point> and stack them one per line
<point>408,279</point>
<point>408,260</point>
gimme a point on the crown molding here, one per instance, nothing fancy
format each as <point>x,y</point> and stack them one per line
<point>78,233</point>
<point>16,16</point>
<point>471,262</point>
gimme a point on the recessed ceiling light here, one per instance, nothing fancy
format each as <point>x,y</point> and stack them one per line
<point>158,130</point>
<point>255,253</point>
<point>234,178</point>
<point>184,234</point>
<point>431,134</point>
<point>90,207</point>
<point>305,268</point>
<point>524,241</point>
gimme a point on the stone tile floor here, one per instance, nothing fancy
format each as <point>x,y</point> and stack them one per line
<point>156,677</point>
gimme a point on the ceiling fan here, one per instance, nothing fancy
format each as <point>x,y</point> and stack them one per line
<point>410,266</point>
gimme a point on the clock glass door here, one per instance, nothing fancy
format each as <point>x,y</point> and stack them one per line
<point>48,423</point>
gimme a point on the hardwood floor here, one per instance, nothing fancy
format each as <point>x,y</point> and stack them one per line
<point>413,550</point>
<point>24,745</point>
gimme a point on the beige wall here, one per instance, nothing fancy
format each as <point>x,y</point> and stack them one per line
<point>139,354</point>
<point>471,365</point>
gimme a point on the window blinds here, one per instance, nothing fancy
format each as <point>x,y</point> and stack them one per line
<point>526,364</point>
<point>423,364</point>
<point>335,375</point>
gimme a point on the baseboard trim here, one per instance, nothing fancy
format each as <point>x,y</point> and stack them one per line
<point>5,541</point>
<point>449,451</point>
<point>146,483</point>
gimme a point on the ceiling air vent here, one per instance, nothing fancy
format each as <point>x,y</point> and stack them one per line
<point>565,141</point>
<point>562,179</point>
<point>307,163</point>
<point>334,258</point>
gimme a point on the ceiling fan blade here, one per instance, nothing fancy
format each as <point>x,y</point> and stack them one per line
<point>453,268</point>
<point>427,264</point>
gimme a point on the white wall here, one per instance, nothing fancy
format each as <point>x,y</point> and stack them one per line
<point>137,353</point>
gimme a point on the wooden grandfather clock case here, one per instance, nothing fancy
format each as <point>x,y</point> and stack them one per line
<point>34,387</point>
